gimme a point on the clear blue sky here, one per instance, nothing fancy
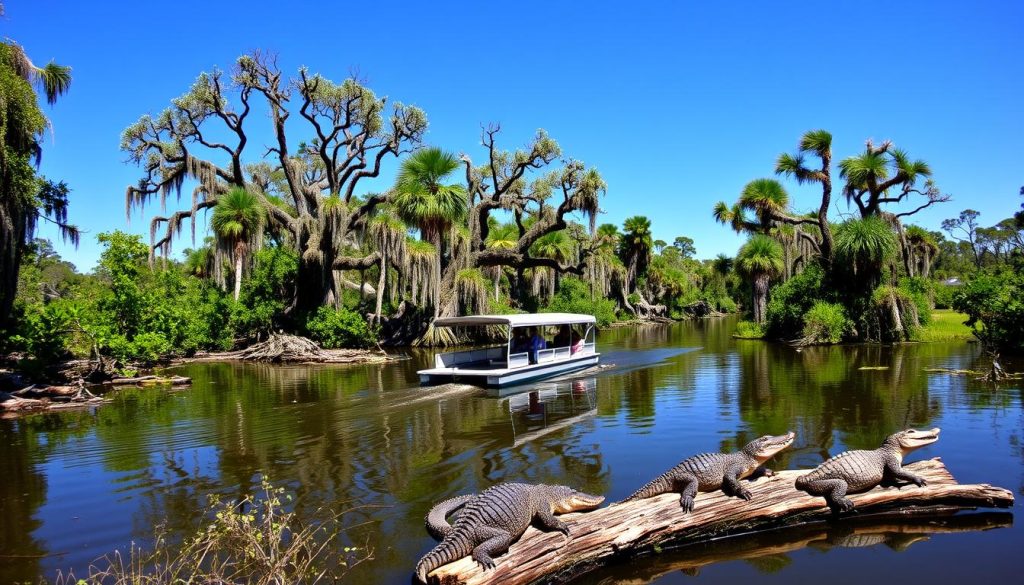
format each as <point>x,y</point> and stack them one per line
<point>677,104</point>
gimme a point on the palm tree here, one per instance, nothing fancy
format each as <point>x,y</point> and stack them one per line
<point>388,234</point>
<point>555,246</point>
<point>237,221</point>
<point>635,247</point>
<point>921,251</point>
<point>866,245</point>
<point>761,260</point>
<point>24,197</point>
<point>818,143</point>
<point>501,236</point>
<point>422,199</point>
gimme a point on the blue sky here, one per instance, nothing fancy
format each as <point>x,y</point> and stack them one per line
<point>677,104</point>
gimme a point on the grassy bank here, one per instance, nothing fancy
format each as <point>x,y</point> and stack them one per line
<point>946,325</point>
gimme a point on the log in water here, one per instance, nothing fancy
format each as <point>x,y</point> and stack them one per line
<point>636,528</point>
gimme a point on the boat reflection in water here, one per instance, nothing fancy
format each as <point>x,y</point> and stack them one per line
<point>546,408</point>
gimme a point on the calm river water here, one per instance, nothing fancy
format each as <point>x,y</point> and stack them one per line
<point>76,485</point>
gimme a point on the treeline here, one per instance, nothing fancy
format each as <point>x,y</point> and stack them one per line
<point>135,312</point>
<point>299,245</point>
<point>871,276</point>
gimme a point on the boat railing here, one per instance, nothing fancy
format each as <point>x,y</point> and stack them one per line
<point>518,360</point>
<point>485,355</point>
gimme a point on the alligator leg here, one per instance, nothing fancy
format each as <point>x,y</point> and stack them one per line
<point>494,542</point>
<point>686,484</point>
<point>547,521</point>
<point>834,492</point>
<point>896,472</point>
<point>732,481</point>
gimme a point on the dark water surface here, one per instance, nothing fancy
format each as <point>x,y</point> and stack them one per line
<point>76,485</point>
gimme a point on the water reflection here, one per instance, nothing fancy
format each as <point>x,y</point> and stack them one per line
<point>769,553</point>
<point>79,484</point>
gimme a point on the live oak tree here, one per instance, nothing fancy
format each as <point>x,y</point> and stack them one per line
<point>309,193</point>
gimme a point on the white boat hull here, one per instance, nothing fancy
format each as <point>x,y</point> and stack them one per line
<point>507,376</point>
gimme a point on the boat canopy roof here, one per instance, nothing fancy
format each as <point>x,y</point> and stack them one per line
<point>518,320</point>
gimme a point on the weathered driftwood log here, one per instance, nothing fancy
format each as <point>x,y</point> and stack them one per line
<point>898,530</point>
<point>146,380</point>
<point>636,528</point>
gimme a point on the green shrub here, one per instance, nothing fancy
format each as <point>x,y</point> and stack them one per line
<point>749,330</point>
<point>339,328</point>
<point>266,292</point>
<point>791,300</point>
<point>725,305</point>
<point>943,296</point>
<point>994,304</point>
<point>826,323</point>
<point>573,296</point>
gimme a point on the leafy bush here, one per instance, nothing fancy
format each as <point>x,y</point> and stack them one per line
<point>573,296</point>
<point>826,323</point>
<point>339,328</point>
<point>791,300</point>
<point>943,296</point>
<point>994,304</point>
<point>725,305</point>
<point>749,330</point>
<point>265,294</point>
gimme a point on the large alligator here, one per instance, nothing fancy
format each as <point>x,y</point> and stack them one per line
<point>859,471</point>
<point>708,472</point>
<point>490,522</point>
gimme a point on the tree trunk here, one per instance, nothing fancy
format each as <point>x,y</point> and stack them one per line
<point>761,281</point>
<point>380,287</point>
<point>238,275</point>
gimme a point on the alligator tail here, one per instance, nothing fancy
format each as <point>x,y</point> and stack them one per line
<point>451,549</point>
<point>437,520</point>
<point>659,485</point>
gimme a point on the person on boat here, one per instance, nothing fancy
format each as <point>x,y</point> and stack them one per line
<point>577,343</point>
<point>520,342</point>
<point>562,338</point>
<point>537,342</point>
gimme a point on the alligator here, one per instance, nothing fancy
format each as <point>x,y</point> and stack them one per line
<point>708,472</point>
<point>491,521</point>
<point>859,471</point>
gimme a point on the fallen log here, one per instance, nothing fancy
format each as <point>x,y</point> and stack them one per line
<point>147,380</point>
<point>898,530</point>
<point>637,528</point>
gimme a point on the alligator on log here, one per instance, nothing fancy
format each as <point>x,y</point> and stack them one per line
<point>630,529</point>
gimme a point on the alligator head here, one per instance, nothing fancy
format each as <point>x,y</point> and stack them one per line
<point>764,448</point>
<point>912,439</point>
<point>564,499</point>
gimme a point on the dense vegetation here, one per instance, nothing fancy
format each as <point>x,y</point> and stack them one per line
<point>870,277</point>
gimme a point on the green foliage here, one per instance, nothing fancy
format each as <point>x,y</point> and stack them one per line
<point>266,293</point>
<point>920,292</point>
<point>573,296</point>
<point>865,245</point>
<point>339,328</point>
<point>749,330</point>
<point>826,323</point>
<point>994,304</point>
<point>790,301</point>
<point>760,255</point>
<point>943,296</point>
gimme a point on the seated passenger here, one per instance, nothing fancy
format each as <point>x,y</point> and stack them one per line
<point>577,343</point>
<point>537,342</point>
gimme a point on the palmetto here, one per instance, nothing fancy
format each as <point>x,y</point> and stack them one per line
<point>761,260</point>
<point>238,220</point>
